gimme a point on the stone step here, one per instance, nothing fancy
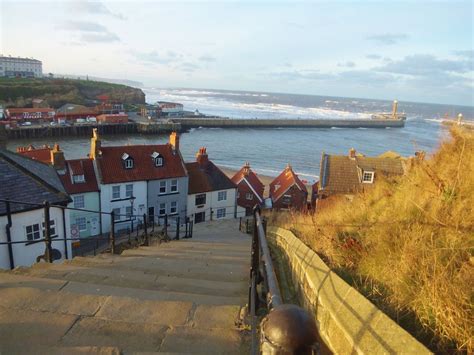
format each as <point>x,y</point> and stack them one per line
<point>86,288</point>
<point>55,320</point>
<point>125,277</point>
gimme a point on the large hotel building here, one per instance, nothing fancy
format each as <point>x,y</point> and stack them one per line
<point>20,67</point>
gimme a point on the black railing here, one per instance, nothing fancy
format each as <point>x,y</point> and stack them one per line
<point>148,227</point>
<point>287,329</point>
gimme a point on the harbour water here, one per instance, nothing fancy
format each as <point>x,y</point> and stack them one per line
<point>269,150</point>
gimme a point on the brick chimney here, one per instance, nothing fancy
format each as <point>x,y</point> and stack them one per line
<point>352,153</point>
<point>174,141</point>
<point>57,158</point>
<point>202,158</point>
<point>95,145</point>
<point>246,169</point>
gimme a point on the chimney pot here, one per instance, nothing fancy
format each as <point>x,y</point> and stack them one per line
<point>352,153</point>
<point>202,158</point>
<point>174,141</point>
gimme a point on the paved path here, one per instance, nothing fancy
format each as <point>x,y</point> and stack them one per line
<point>179,297</point>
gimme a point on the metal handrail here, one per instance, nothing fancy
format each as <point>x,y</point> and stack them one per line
<point>287,329</point>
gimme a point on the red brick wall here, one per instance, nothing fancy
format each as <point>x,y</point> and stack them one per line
<point>297,199</point>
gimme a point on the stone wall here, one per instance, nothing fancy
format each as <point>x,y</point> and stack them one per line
<point>347,321</point>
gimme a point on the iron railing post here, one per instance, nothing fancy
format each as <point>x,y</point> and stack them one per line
<point>47,234</point>
<point>112,232</point>
<point>177,228</point>
<point>186,226</point>
<point>240,224</point>
<point>191,229</point>
<point>145,224</point>
<point>8,232</point>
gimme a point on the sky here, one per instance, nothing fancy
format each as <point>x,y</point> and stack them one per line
<point>410,50</point>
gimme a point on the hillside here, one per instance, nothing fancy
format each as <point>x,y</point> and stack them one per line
<point>408,245</point>
<point>19,92</point>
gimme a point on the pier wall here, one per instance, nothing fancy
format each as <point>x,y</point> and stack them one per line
<point>188,123</point>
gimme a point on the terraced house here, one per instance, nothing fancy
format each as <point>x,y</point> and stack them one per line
<point>140,179</point>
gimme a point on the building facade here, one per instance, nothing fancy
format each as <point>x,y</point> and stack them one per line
<point>287,191</point>
<point>28,184</point>
<point>211,195</point>
<point>20,67</point>
<point>249,189</point>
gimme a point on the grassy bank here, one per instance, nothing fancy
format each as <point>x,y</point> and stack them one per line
<point>19,92</point>
<point>408,245</point>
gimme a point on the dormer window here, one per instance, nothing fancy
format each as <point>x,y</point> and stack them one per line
<point>127,161</point>
<point>157,159</point>
<point>78,179</point>
<point>368,177</point>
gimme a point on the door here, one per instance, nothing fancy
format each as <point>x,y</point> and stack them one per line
<point>94,225</point>
<point>151,214</point>
<point>200,217</point>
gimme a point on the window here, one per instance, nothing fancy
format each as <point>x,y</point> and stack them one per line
<point>32,232</point>
<point>81,223</point>
<point>222,196</point>
<point>129,164</point>
<point>174,207</point>
<point>116,192</point>
<point>200,199</point>
<point>162,187</point>
<point>174,185</point>
<point>76,179</point>
<point>52,228</point>
<point>128,212</point>
<point>159,161</point>
<point>78,201</point>
<point>368,177</point>
<point>220,212</point>
<point>116,214</point>
<point>249,196</point>
<point>129,190</point>
<point>162,210</point>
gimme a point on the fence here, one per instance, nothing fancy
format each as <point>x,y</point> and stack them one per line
<point>287,329</point>
<point>164,228</point>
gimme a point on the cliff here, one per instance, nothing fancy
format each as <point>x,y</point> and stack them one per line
<point>19,92</point>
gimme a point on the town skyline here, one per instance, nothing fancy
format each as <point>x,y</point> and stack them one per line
<point>313,48</point>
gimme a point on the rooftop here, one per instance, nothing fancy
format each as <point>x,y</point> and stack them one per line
<point>283,182</point>
<point>248,175</point>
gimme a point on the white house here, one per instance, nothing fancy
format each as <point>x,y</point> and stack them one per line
<point>211,194</point>
<point>31,183</point>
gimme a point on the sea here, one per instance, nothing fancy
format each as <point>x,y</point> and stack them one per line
<point>270,150</point>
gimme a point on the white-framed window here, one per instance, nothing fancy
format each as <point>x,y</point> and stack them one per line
<point>174,207</point>
<point>52,228</point>
<point>162,187</point>
<point>129,190</point>
<point>162,209</point>
<point>81,223</point>
<point>128,163</point>
<point>200,199</point>
<point>33,232</point>
<point>368,177</point>
<point>116,192</point>
<point>117,216</point>
<point>249,196</point>
<point>128,212</point>
<point>78,201</point>
<point>174,185</point>
<point>159,161</point>
<point>222,196</point>
<point>220,212</point>
<point>77,179</point>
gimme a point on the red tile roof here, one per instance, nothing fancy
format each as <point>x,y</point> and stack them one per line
<point>112,170</point>
<point>283,182</point>
<point>79,167</point>
<point>40,154</point>
<point>247,174</point>
<point>31,110</point>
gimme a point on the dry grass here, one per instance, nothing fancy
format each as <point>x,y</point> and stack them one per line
<point>410,243</point>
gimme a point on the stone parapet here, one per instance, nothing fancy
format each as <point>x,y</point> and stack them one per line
<point>347,321</point>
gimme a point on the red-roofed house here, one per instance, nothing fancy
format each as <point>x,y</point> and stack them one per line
<point>79,180</point>
<point>249,188</point>
<point>211,194</point>
<point>140,179</point>
<point>287,191</point>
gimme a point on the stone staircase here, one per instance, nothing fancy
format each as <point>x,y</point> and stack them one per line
<point>179,297</point>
